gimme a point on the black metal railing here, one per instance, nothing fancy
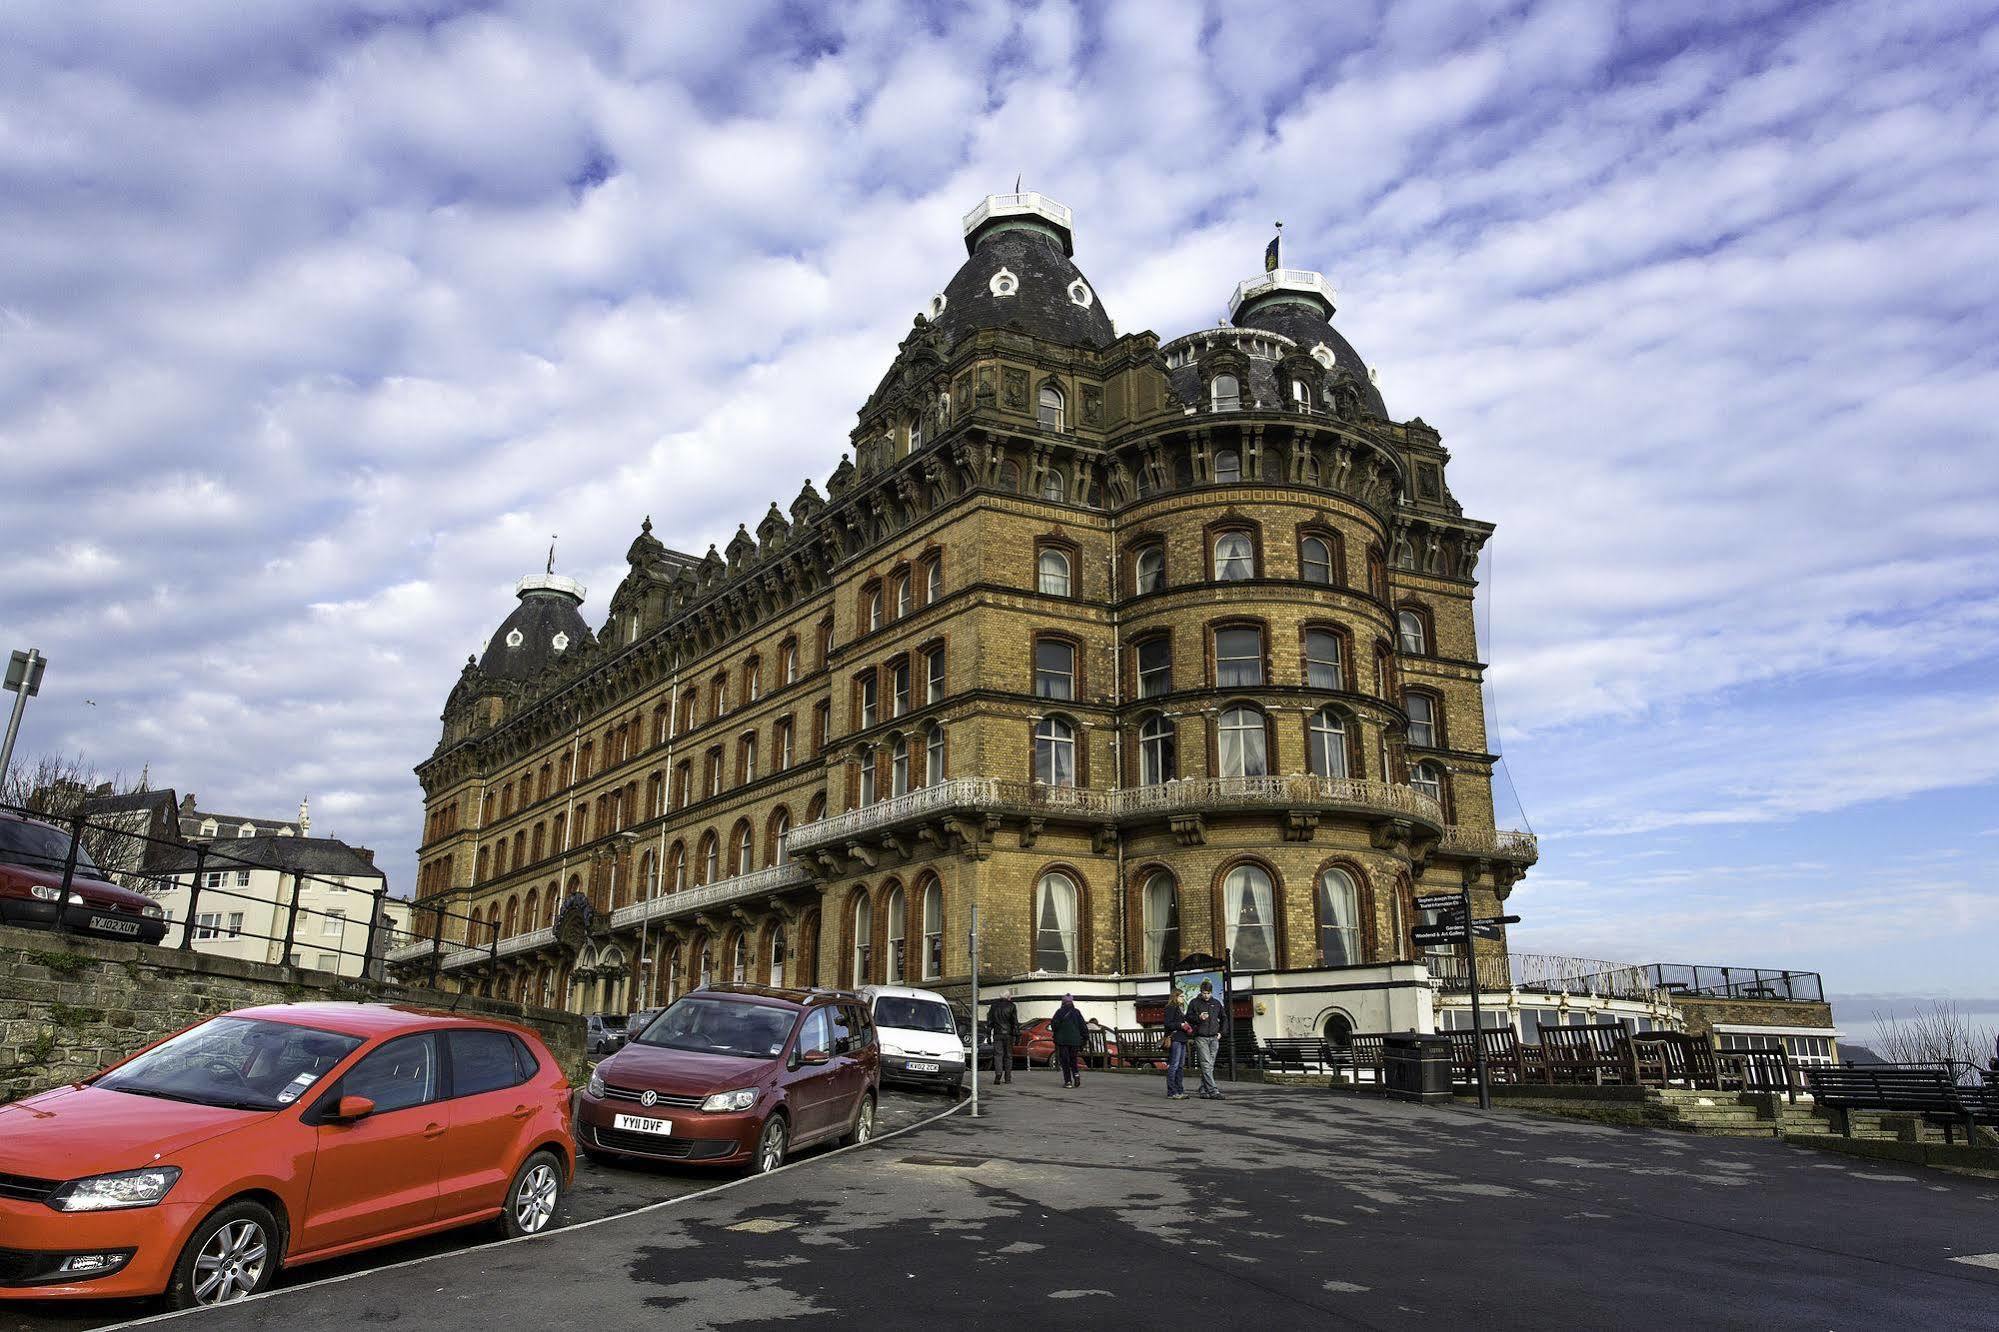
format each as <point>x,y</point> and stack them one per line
<point>1737,982</point>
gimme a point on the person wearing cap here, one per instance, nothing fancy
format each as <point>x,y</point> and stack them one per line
<point>1204,1015</point>
<point>1071,1033</point>
<point>1003,1024</point>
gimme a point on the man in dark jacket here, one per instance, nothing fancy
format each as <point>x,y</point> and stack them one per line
<point>1003,1024</point>
<point>1071,1033</point>
<point>1177,1031</point>
<point>1205,1015</point>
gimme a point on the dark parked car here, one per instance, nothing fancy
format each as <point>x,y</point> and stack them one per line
<point>737,1074</point>
<point>603,1034</point>
<point>32,856</point>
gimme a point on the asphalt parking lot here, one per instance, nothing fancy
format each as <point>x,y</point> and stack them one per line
<point>1110,1207</point>
<point>598,1192</point>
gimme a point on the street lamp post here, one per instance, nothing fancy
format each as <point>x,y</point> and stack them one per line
<point>24,678</point>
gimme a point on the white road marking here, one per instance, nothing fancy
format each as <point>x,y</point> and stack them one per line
<point>1990,1260</point>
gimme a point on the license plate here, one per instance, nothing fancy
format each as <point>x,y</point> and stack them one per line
<point>640,1124</point>
<point>915,1067</point>
<point>112,926</point>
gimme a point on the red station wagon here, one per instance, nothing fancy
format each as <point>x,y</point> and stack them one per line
<point>32,856</point>
<point>274,1136</point>
<point>737,1074</point>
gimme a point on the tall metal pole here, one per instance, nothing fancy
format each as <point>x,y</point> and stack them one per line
<point>974,941</point>
<point>24,677</point>
<point>1477,1011</point>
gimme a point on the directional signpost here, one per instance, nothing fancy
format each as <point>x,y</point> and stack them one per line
<point>1454,925</point>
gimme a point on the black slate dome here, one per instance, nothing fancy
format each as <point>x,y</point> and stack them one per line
<point>541,628</point>
<point>1019,273</point>
<point>1299,304</point>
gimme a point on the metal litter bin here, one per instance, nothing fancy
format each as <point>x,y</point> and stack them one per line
<point>1417,1067</point>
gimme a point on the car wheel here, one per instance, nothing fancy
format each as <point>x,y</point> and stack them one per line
<point>864,1123</point>
<point>771,1144</point>
<point>231,1256</point>
<point>534,1199</point>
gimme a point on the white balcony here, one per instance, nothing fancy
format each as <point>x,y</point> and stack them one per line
<point>1499,844</point>
<point>522,943</point>
<point>1028,204</point>
<point>1545,973</point>
<point>1281,279</point>
<point>689,901</point>
<point>408,951</point>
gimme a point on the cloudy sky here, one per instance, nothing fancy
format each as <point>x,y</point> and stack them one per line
<point>317,319</point>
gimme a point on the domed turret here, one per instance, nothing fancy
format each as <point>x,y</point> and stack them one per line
<point>1298,304</point>
<point>1019,273</point>
<point>545,625</point>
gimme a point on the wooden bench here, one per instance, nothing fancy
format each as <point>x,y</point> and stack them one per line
<point>1296,1054</point>
<point>1598,1052</point>
<point>1505,1058</point>
<point>1760,1071</point>
<point>1920,1088</point>
<point>1674,1059</point>
<point>1360,1056</point>
<point>1140,1047</point>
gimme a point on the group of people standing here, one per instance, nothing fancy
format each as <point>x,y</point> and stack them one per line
<point>1198,1023</point>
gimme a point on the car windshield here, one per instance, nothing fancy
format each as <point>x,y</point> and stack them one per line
<point>39,846</point>
<point>913,1014</point>
<point>720,1026</point>
<point>241,1063</point>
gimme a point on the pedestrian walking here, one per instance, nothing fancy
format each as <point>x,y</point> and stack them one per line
<point>1071,1032</point>
<point>1177,1031</point>
<point>1003,1026</point>
<point>1204,1015</point>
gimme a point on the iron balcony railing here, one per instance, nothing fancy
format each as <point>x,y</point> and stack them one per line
<point>1191,794</point>
<point>1544,973</point>
<point>688,901</point>
<point>1737,982</point>
<point>1499,843</point>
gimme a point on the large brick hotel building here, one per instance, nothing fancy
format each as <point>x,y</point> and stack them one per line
<point>1146,649</point>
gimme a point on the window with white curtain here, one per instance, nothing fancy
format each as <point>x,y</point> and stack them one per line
<point>1339,919</point>
<point>1149,570</point>
<point>1155,667</point>
<point>1225,393</point>
<point>745,851</point>
<point>1228,465</point>
<point>1315,558</point>
<point>933,930</point>
<point>1055,923</point>
<point>875,609</point>
<point>868,778</point>
<point>1054,669</point>
<point>933,676</point>
<point>1243,751</point>
<point>1428,779</point>
<point>1159,906</point>
<point>779,826</point>
<point>1323,667</point>
<point>934,586</point>
<point>1422,720</point>
<point>1053,573</point>
<point>1238,657</point>
<point>1055,752</point>
<point>1326,744</point>
<point>864,933</point>
<point>933,758</point>
<point>1048,408</point>
<point>897,908</point>
<point>898,768</point>
<point>1235,557</point>
<point>1158,751</point>
<point>1249,916</point>
<point>1414,639</point>
<point>711,861</point>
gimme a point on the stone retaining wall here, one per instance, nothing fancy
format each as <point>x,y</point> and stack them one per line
<point>70,1005</point>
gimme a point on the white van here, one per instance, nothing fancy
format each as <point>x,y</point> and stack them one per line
<point>920,1044</point>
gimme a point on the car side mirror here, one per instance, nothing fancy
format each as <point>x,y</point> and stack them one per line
<point>816,1057</point>
<point>350,1108</point>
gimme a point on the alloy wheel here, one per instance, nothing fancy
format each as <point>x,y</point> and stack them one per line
<point>534,1201</point>
<point>231,1265</point>
<point>865,1128</point>
<point>770,1147</point>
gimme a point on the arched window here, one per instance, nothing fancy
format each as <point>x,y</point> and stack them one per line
<point>1048,410</point>
<point>897,907</point>
<point>1238,657</point>
<point>777,955</point>
<point>905,599</point>
<point>1249,918</point>
<point>898,766</point>
<point>1053,486</point>
<point>933,757</point>
<point>780,827</point>
<point>1235,557</point>
<point>1054,669</point>
<point>739,959</point>
<point>676,867</point>
<point>869,789</point>
<point>1244,751</point>
<point>1326,744</point>
<point>1315,559</point>
<point>864,927</point>
<point>1428,779</point>
<point>711,859</point>
<point>1055,923</point>
<point>1422,720</point>
<point>1324,668</point>
<point>1158,757</point>
<point>788,662</point>
<point>1052,569</point>
<point>1404,554</point>
<point>1159,906</point>
<point>745,850</point>
<point>1413,638</point>
<point>934,581</point>
<point>1149,570</point>
<point>1339,1031</point>
<point>1301,395</point>
<point>1228,465</point>
<point>1055,752</point>
<point>1339,919</point>
<point>874,608</point>
<point>933,930</point>
<point>1225,393</point>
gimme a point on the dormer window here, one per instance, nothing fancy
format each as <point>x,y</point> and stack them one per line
<point>1004,283</point>
<point>1228,465</point>
<point>1323,355</point>
<point>515,638</point>
<point>1080,293</point>
<point>915,433</point>
<point>560,642</point>
<point>1225,394</point>
<point>937,304</point>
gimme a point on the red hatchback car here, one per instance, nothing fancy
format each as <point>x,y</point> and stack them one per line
<point>737,1074</point>
<point>274,1136</point>
<point>32,856</point>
